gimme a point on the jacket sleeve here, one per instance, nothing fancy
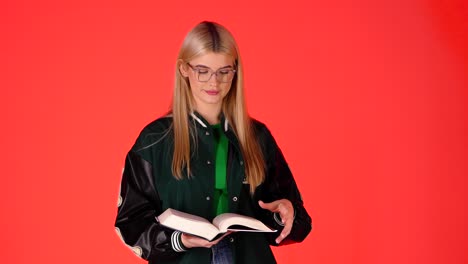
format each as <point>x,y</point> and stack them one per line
<point>280,184</point>
<point>138,205</point>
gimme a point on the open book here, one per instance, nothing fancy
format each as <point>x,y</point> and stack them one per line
<point>199,226</point>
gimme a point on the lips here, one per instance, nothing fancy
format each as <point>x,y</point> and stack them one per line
<point>212,92</point>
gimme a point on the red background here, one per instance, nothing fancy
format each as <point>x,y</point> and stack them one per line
<point>367,100</point>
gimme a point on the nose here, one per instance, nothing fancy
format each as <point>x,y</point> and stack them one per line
<point>213,79</point>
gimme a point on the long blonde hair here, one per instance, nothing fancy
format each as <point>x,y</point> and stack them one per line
<point>203,38</point>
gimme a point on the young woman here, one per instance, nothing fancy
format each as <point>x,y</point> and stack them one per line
<point>208,157</point>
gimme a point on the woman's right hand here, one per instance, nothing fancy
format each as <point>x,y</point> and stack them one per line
<point>190,241</point>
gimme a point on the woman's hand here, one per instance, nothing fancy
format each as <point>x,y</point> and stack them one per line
<point>286,212</point>
<point>190,241</point>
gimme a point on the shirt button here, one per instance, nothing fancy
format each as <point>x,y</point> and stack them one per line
<point>207,133</point>
<point>234,199</point>
<point>241,163</point>
<point>231,239</point>
<point>208,162</point>
<point>207,198</point>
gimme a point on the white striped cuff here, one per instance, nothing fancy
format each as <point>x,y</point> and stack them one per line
<point>176,242</point>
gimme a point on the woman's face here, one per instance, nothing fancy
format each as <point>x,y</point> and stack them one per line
<point>210,77</point>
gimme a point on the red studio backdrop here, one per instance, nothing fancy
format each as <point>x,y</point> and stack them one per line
<point>367,99</point>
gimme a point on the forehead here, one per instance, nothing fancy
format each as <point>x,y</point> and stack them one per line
<point>213,60</point>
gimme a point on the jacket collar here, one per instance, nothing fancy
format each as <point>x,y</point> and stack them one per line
<point>199,119</point>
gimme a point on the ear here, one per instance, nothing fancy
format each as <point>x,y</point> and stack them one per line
<point>183,69</point>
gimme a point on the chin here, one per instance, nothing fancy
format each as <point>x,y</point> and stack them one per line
<point>213,100</point>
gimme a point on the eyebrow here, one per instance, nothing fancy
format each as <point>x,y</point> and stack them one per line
<point>206,67</point>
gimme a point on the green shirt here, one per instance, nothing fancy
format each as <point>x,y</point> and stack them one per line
<point>221,194</point>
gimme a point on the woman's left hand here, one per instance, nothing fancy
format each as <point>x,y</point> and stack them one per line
<point>286,212</point>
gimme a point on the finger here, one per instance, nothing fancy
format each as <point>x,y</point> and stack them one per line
<point>286,231</point>
<point>273,206</point>
<point>191,241</point>
<point>219,239</point>
<point>286,211</point>
<point>286,214</point>
<point>214,242</point>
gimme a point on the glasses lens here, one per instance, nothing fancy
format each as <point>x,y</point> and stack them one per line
<point>204,75</point>
<point>224,75</point>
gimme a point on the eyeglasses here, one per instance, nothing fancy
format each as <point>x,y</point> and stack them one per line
<point>204,74</point>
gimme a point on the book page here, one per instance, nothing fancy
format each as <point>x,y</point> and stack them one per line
<point>188,223</point>
<point>224,221</point>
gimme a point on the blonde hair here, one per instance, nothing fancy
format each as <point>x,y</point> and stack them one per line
<point>203,38</point>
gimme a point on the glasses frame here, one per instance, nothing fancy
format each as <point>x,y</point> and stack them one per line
<point>197,70</point>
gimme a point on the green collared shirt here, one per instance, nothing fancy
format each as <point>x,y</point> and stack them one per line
<point>221,194</point>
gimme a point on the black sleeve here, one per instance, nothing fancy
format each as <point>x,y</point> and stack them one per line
<point>139,204</point>
<point>280,184</point>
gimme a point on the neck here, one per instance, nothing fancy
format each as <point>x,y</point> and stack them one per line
<point>210,113</point>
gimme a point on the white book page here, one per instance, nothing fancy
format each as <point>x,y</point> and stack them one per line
<point>188,223</point>
<point>224,221</point>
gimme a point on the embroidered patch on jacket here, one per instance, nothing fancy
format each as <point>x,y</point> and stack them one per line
<point>119,201</point>
<point>137,250</point>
